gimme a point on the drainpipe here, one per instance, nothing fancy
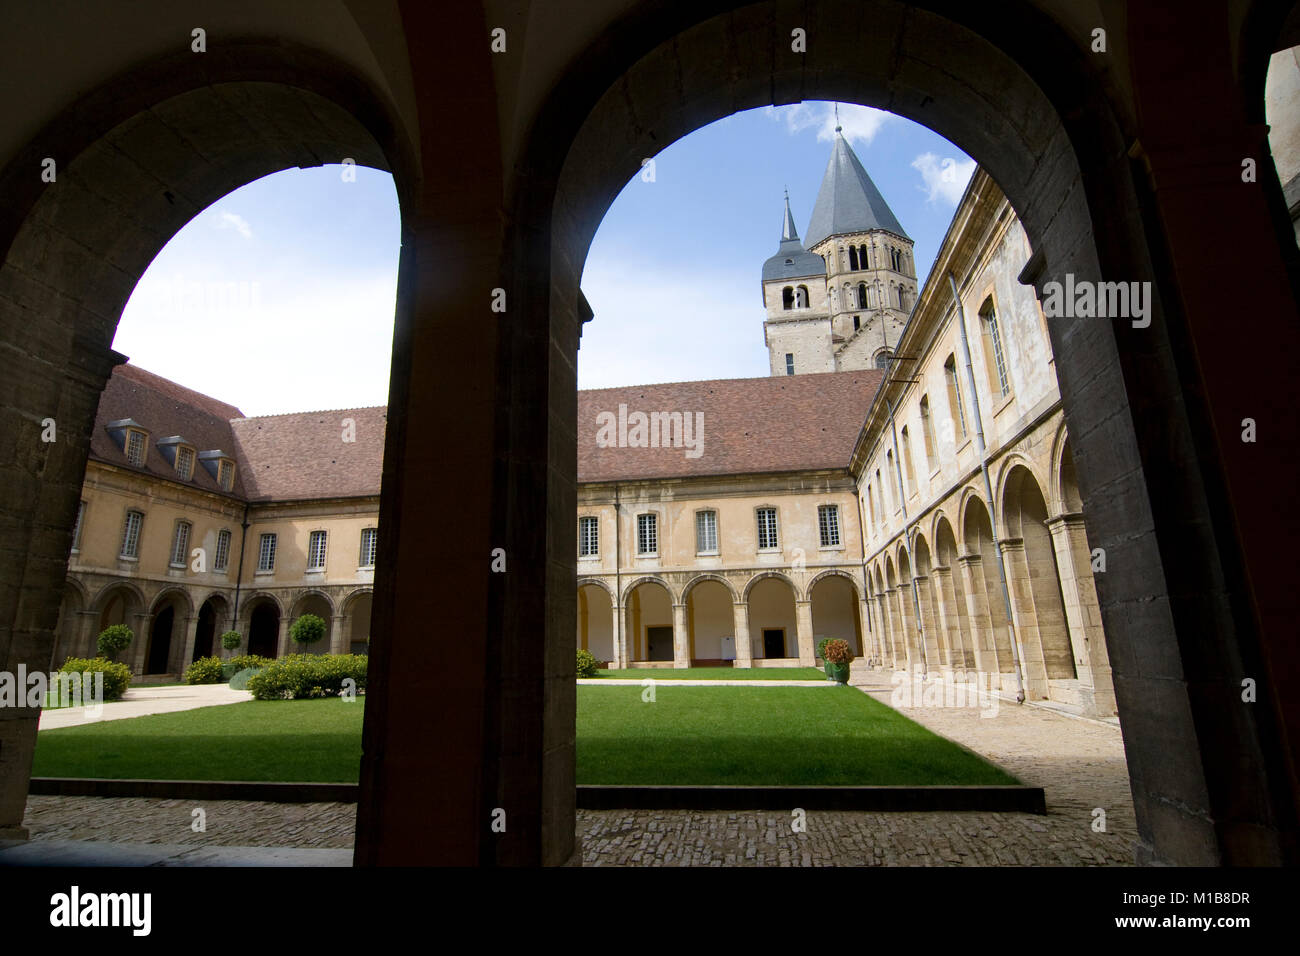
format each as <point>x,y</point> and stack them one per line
<point>862,546</point>
<point>907,541</point>
<point>618,581</point>
<point>239,574</point>
<point>988,490</point>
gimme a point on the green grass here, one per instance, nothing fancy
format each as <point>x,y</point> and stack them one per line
<point>716,673</point>
<point>299,740</point>
<point>689,735</point>
<point>762,735</point>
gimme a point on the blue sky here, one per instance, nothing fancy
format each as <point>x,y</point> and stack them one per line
<point>279,297</point>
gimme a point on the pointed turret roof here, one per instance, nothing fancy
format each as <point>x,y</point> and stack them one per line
<point>848,200</point>
<point>792,260</point>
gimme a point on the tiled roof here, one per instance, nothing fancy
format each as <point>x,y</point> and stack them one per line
<point>305,455</point>
<point>163,409</point>
<point>751,425</point>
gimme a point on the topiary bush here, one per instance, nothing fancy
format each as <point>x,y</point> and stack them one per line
<point>236,664</point>
<point>838,652</point>
<point>240,680</point>
<point>587,664</point>
<point>113,640</point>
<point>298,676</point>
<point>821,647</point>
<point>231,640</point>
<point>307,630</point>
<point>206,670</point>
<point>117,677</point>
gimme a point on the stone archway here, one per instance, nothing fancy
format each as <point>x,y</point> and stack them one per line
<point>596,624</point>
<point>264,628</point>
<point>213,612</point>
<point>834,600</point>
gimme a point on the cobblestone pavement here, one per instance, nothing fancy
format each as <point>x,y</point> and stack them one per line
<point>1079,763</point>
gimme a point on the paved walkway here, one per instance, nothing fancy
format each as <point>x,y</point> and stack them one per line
<point>139,701</point>
<point>690,682</point>
<point>1079,763</point>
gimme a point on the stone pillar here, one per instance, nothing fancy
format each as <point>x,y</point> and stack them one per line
<point>949,623</point>
<point>616,635</point>
<point>936,657</point>
<point>623,639</point>
<point>1083,615</point>
<point>910,655</point>
<point>137,652</point>
<point>977,613</point>
<point>804,629</point>
<point>681,638</point>
<point>85,644</point>
<point>339,634</point>
<point>740,624</point>
<point>282,642</point>
<point>187,645</point>
<point>889,616</point>
<point>1025,618</point>
<point>864,628</point>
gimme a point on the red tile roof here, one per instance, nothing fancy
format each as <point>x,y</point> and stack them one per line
<point>750,426</point>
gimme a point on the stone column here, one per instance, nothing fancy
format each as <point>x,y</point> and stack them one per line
<point>740,624</point>
<point>911,650</point>
<point>187,645</point>
<point>1082,614</point>
<point>681,638</point>
<point>85,645</point>
<point>1025,618</point>
<point>977,613</point>
<point>616,635</point>
<point>339,635</point>
<point>137,652</point>
<point>889,618</point>
<point>936,657</point>
<point>623,640</point>
<point>949,623</point>
<point>864,628</point>
<point>282,642</point>
<point>804,629</point>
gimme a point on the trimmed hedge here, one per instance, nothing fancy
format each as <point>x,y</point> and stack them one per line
<point>206,670</point>
<point>112,641</point>
<point>241,662</point>
<point>117,677</point>
<point>309,675</point>
<point>587,663</point>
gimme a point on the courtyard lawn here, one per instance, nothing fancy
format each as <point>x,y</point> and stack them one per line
<point>762,735</point>
<point>715,673</point>
<point>316,741</point>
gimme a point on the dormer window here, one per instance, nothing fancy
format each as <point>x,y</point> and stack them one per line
<point>185,462</point>
<point>179,453</point>
<point>135,447</point>
<point>226,474</point>
<point>220,466</point>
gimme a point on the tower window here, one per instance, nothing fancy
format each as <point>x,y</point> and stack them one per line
<point>787,298</point>
<point>856,323</point>
<point>853,258</point>
<point>896,260</point>
<point>789,363</point>
<point>862,295</point>
<point>801,297</point>
<point>882,360</point>
<point>902,301</point>
<point>862,255</point>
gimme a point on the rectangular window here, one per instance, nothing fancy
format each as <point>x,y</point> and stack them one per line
<point>131,534</point>
<point>828,523</point>
<point>927,431</point>
<point>588,537</point>
<point>908,472</point>
<point>647,534</point>
<point>222,558</point>
<point>76,530</point>
<point>135,448</point>
<point>180,544</point>
<point>225,474</point>
<point>871,506</point>
<point>369,547</point>
<point>706,532</point>
<point>316,551</point>
<point>184,462</point>
<point>994,338</point>
<point>789,363</point>
<point>955,408</point>
<point>266,553</point>
<point>767,538</point>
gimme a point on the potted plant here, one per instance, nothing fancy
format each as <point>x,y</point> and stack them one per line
<point>821,652</point>
<point>838,654</point>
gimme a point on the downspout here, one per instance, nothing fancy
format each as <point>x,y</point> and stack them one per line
<point>862,547</point>
<point>907,541</point>
<point>618,582</point>
<point>239,574</point>
<point>988,490</point>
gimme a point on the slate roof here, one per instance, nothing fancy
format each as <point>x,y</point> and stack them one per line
<point>750,426</point>
<point>792,260</point>
<point>848,200</point>
<point>781,423</point>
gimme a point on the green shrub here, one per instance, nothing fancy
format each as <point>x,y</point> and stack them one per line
<point>821,647</point>
<point>587,663</point>
<point>236,664</point>
<point>309,675</point>
<point>231,640</point>
<point>113,640</point>
<point>206,670</point>
<point>117,677</point>
<point>838,652</point>
<point>240,680</point>
<point>307,630</point>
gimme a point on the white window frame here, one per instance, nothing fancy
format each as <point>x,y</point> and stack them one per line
<point>131,536</point>
<point>180,544</point>
<point>187,453</point>
<point>316,562</point>
<point>588,536</point>
<point>132,435</point>
<point>775,529</point>
<point>828,519</point>
<point>647,526</point>
<point>221,558</point>
<point>373,549</point>
<point>225,474</point>
<point>265,555</point>
<point>706,516</point>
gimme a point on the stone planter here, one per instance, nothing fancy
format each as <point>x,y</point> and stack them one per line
<point>837,672</point>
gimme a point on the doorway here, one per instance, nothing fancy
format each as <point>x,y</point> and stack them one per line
<point>774,642</point>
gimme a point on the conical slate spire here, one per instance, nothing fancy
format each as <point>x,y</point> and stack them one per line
<point>792,260</point>
<point>848,200</point>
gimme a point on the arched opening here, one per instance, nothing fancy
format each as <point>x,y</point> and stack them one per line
<point>119,605</point>
<point>773,629</point>
<point>212,613</point>
<point>988,616</point>
<point>649,635</point>
<point>320,606</point>
<point>710,623</point>
<point>166,645</point>
<point>951,598</point>
<point>596,623</point>
<point>358,622</point>
<point>835,611</point>
<point>264,629</point>
<point>69,630</point>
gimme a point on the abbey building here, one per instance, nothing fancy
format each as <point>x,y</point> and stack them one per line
<point>901,480</point>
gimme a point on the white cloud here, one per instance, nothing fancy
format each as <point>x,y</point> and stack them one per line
<point>230,220</point>
<point>943,179</point>
<point>860,123</point>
